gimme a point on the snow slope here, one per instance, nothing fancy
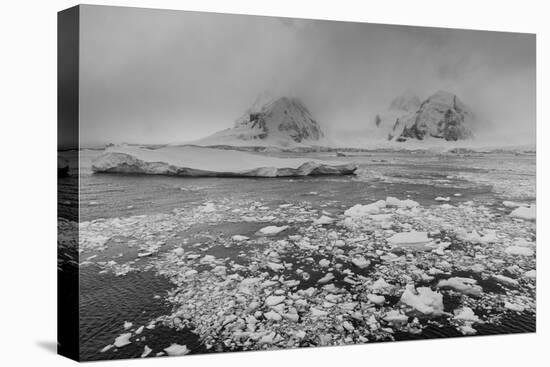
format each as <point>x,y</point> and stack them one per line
<point>199,161</point>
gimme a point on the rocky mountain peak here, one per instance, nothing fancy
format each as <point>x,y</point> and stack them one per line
<point>442,115</point>
<point>282,116</point>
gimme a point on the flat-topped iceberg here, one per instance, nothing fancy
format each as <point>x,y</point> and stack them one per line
<point>197,161</point>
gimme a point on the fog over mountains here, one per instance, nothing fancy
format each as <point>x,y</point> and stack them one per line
<point>173,77</point>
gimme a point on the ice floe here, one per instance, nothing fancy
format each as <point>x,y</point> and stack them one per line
<point>197,161</point>
<point>527,213</point>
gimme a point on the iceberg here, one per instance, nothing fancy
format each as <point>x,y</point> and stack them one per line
<point>210,162</point>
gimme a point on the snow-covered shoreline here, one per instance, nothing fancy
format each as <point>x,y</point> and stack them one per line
<point>209,162</point>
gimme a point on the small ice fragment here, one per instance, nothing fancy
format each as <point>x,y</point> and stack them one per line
<point>360,262</point>
<point>464,285</point>
<point>146,351</point>
<point>127,325</point>
<point>376,299</point>
<point>519,251</point>
<point>140,329</point>
<point>358,210</point>
<point>208,208</point>
<point>514,307</point>
<point>275,266</point>
<point>423,299</point>
<point>324,263</point>
<point>271,230</point>
<point>441,198</point>
<point>409,238</point>
<point>465,314</point>
<point>122,340</point>
<point>315,312</point>
<point>274,300</point>
<point>272,315</point>
<point>327,278</point>
<point>323,220</point>
<point>176,350</point>
<point>239,238</point>
<point>106,348</point>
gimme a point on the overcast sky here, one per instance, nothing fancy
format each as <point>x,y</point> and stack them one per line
<point>158,76</point>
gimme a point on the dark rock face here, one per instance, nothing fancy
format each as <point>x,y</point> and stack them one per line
<point>441,116</point>
<point>284,116</point>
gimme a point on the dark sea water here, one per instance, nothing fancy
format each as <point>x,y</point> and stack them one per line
<point>106,301</point>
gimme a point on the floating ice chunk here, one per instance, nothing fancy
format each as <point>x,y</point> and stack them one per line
<point>324,263</point>
<point>441,198</point>
<point>358,210</point>
<point>106,348</point>
<point>272,315</point>
<point>324,219</point>
<point>490,236</point>
<point>271,230</point>
<point>530,274</point>
<point>208,208</point>
<point>176,350</point>
<point>527,213</point>
<point>360,262</point>
<point>467,330</point>
<point>465,314</point>
<point>239,238</point>
<point>505,280</point>
<point>315,312</point>
<point>275,266</point>
<point>267,339</point>
<point>376,299</point>
<point>127,325</point>
<point>424,300</point>
<point>381,286</point>
<point>207,259</point>
<point>408,203</point>
<point>514,307</point>
<point>513,204</point>
<point>274,300</point>
<point>409,238</point>
<point>178,251</point>
<point>146,351</point>
<point>327,278</point>
<point>519,251</point>
<point>140,329</point>
<point>396,317</point>
<point>122,340</point>
<point>463,285</point>
<point>477,268</point>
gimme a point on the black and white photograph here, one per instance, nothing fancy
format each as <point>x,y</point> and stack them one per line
<point>234,183</point>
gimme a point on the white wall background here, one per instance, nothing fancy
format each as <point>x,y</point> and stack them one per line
<point>28,184</point>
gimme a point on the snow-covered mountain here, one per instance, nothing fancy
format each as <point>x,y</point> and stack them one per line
<point>443,115</point>
<point>279,122</point>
